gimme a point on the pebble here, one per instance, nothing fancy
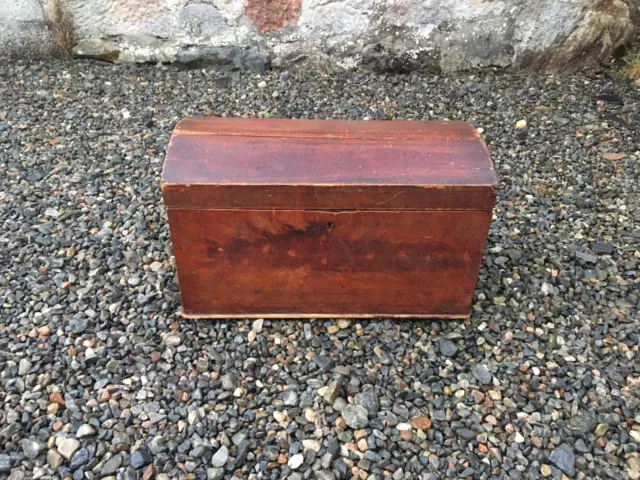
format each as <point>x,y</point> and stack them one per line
<point>24,367</point>
<point>296,461</point>
<point>448,348</point>
<point>344,323</point>
<point>587,257</point>
<point>323,362</point>
<point>239,438</point>
<point>545,470</point>
<point>325,475</point>
<point>466,433</point>
<point>257,325</point>
<point>280,416</point>
<point>564,458</point>
<point>310,415</point>
<point>481,374</point>
<point>111,465</point>
<point>67,447</point>
<point>478,396</point>
<point>215,474</point>
<point>603,248</point>
<point>229,382</point>
<point>32,448</point>
<point>332,392</point>
<point>633,463</point>
<point>290,398</point>
<point>79,459</point>
<point>311,445</point>
<point>172,340</point>
<point>494,395</point>
<point>561,120</point>
<point>601,430</point>
<point>420,423</point>
<point>202,365</point>
<point>220,458</point>
<point>140,458</point>
<point>54,459</point>
<point>5,463</point>
<point>85,430</point>
<point>369,401</point>
<point>355,416</point>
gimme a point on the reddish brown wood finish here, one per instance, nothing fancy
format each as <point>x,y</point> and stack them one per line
<point>324,164</point>
<point>325,218</point>
<point>297,262</point>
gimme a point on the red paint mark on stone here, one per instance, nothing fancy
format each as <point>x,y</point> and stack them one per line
<point>272,15</point>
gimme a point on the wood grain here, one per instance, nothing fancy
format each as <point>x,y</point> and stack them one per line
<point>320,218</point>
<point>301,263</point>
<point>324,164</point>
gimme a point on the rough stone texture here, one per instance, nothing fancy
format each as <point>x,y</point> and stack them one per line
<point>272,15</point>
<point>22,29</point>
<point>546,35</point>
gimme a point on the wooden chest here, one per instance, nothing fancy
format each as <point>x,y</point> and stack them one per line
<point>322,218</point>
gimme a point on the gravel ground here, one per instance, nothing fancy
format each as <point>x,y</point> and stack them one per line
<point>101,379</point>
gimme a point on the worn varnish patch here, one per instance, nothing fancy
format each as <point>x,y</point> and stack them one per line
<point>272,15</point>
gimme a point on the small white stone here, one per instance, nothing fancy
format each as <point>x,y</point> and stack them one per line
<point>262,84</point>
<point>192,417</point>
<point>295,461</point>
<point>311,445</point>
<point>521,124</point>
<point>279,416</point>
<point>155,266</point>
<point>24,366</point>
<point>85,430</point>
<point>545,288</point>
<point>172,340</point>
<point>220,458</point>
<point>256,326</point>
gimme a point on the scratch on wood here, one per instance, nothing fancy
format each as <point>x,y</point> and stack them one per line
<point>388,200</point>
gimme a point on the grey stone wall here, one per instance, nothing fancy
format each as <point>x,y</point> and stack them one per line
<point>540,35</point>
<point>22,30</point>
